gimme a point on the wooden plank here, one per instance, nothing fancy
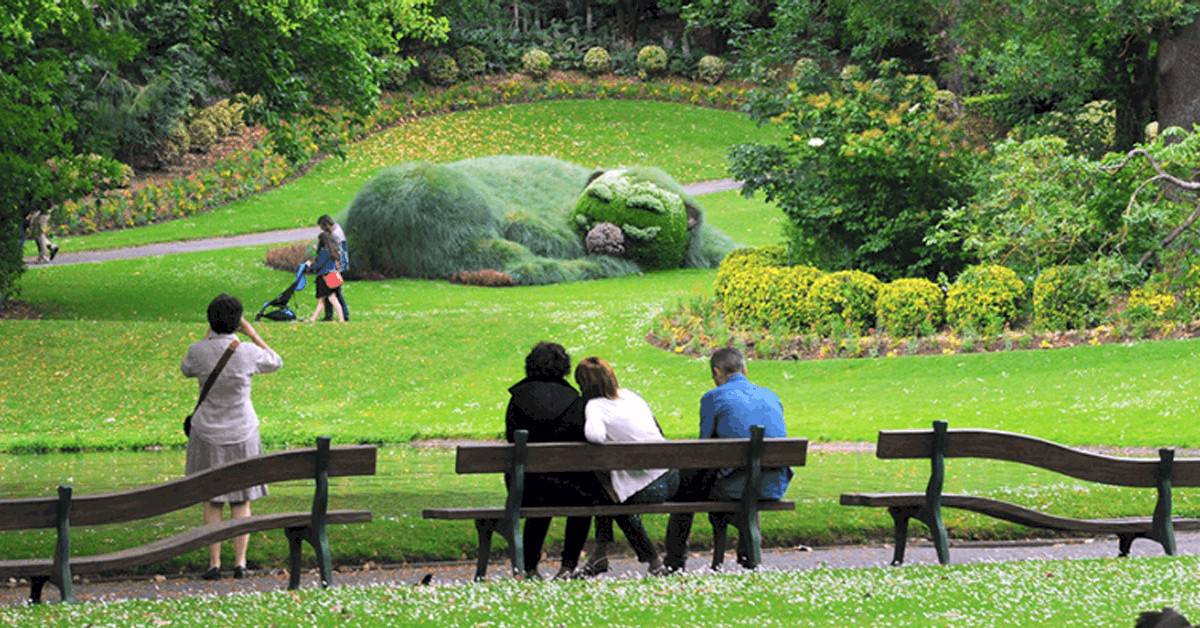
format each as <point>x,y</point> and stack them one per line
<point>1007,446</point>
<point>150,501</point>
<point>664,508</point>
<point>677,454</point>
<point>1014,513</point>
<point>175,545</point>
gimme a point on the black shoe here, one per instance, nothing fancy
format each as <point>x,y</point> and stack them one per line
<point>594,568</point>
<point>213,573</point>
<point>566,573</point>
<point>533,574</point>
<point>53,251</point>
<point>240,572</point>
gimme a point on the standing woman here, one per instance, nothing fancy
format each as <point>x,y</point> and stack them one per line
<point>224,426</point>
<point>324,266</point>
<point>616,415</point>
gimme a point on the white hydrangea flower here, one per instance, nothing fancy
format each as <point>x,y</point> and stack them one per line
<point>816,142</point>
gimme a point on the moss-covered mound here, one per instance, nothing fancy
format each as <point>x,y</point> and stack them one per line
<point>528,217</point>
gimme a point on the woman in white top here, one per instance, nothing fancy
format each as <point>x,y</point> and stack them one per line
<point>225,427</point>
<point>614,414</point>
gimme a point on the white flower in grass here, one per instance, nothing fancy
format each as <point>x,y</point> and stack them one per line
<point>816,142</point>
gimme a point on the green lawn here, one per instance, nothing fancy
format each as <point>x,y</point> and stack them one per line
<point>688,142</point>
<point>429,359</point>
<point>412,478</point>
<point>1035,593</point>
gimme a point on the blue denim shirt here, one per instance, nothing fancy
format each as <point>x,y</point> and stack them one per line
<point>324,263</point>
<point>728,411</point>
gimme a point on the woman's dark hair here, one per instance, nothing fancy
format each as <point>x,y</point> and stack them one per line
<point>326,241</point>
<point>224,314</point>
<point>596,379</point>
<point>547,360</point>
<point>325,221</point>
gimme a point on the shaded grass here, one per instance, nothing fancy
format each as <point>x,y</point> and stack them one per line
<point>688,142</point>
<point>429,359</point>
<point>412,478</point>
<point>1035,593</point>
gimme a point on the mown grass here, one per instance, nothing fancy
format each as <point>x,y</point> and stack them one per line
<point>688,142</point>
<point>426,359</point>
<point>412,478</point>
<point>1035,593</point>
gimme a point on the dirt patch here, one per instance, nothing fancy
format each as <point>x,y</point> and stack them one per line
<point>19,311</point>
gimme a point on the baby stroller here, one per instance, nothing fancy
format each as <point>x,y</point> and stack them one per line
<point>280,310</point>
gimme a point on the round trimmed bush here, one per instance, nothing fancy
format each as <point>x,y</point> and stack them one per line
<point>218,114</point>
<point>596,61</point>
<point>653,218</point>
<point>843,301</point>
<point>651,61</point>
<point>536,63</point>
<point>756,290</point>
<point>984,299</point>
<point>396,71</point>
<point>174,146</point>
<point>471,61</point>
<point>910,307</point>
<point>442,70</point>
<point>711,69</point>
<point>1069,297</point>
<point>203,134</point>
<point>742,259</point>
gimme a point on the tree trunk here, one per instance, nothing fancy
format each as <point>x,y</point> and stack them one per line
<point>1133,95</point>
<point>1179,77</point>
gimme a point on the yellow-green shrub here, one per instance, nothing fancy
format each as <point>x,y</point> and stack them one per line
<point>910,307</point>
<point>842,302</point>
<point>1160,304</point>
<point>742,259</point>
<point>757,290</point>
<point>1069,297</point>
<point>984,298</point>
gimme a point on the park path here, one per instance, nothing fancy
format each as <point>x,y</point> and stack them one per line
<point>792,559</point>
<point>268,237</point>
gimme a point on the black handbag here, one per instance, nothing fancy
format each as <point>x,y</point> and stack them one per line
<point>208,384</point>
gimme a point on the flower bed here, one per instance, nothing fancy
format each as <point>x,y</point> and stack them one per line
<point>259,169</point>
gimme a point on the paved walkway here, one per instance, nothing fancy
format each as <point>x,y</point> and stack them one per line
<point>268,237</point>
<point>850,556</point>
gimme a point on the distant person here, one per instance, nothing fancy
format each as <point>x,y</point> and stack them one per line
<point>727,411</point>
<point>325,264</point>
<point>224,425</point>
<point>37,222</point>
<point>618,415</point>
<point>545,405</point>
<point>326,223</point>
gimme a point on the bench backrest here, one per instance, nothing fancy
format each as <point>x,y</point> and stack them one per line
<point>150,501</point>
<point>676,454</point>
<point>1044,454</point>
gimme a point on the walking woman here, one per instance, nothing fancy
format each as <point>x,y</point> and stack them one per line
<point>326,267</point>
<point>224,426</point>
<point>611,415</point>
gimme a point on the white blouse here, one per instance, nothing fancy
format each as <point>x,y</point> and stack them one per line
<point>627,418</point>
<point>227,416</point>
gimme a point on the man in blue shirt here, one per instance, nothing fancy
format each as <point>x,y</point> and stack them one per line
<point>727,411</point>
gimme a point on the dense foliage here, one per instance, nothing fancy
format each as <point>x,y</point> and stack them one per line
<point>869,170</point>
<point>985,299</point>
<point>910,307</point>
<point>1069,297</point>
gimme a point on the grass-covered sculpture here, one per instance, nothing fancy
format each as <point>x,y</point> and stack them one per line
<point>537,219</point>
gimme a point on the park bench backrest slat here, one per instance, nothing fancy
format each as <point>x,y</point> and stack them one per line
<point>1035,452</point>
<point>140,503</point>
<point>675,454</point>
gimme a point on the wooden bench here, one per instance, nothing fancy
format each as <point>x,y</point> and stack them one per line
<point>521,457</point>
<point>940,443</point>
<point>64,511</point>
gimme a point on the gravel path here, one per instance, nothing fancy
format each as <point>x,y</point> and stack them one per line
<point>268,237</point>
<point>850,556</point>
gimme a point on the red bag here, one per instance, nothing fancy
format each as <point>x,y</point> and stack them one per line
<point>333,280</point>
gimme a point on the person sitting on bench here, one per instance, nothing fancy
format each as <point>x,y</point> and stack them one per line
<point>727,411</point>
<point>614,414</point>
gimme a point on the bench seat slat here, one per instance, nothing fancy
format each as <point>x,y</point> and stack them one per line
<point>619,509</point>
<point>150,501</point>
<point>1014,513</point>
<point>712,453</point>
<point>174,545</point>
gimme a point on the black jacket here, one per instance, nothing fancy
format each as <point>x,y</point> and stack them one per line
<point>552,411</point>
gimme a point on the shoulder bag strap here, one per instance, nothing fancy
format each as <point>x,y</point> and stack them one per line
<point>212,377</point>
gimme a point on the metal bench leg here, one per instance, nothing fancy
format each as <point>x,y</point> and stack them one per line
<point>900,517</point>
<point>720,526</point>
<point>941,540</point>
<point>749,548</point>
<point>485,528</point>
<point>320,544</point>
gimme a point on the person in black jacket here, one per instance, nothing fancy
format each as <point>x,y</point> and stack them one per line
<point>551,410</point>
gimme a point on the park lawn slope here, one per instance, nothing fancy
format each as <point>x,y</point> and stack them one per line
<point>411,478</point>
<point>428,359</point>
<point>688,142</point>
<point>1034,593</point>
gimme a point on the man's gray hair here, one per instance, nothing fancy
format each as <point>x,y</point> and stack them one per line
<point>728,360</point>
